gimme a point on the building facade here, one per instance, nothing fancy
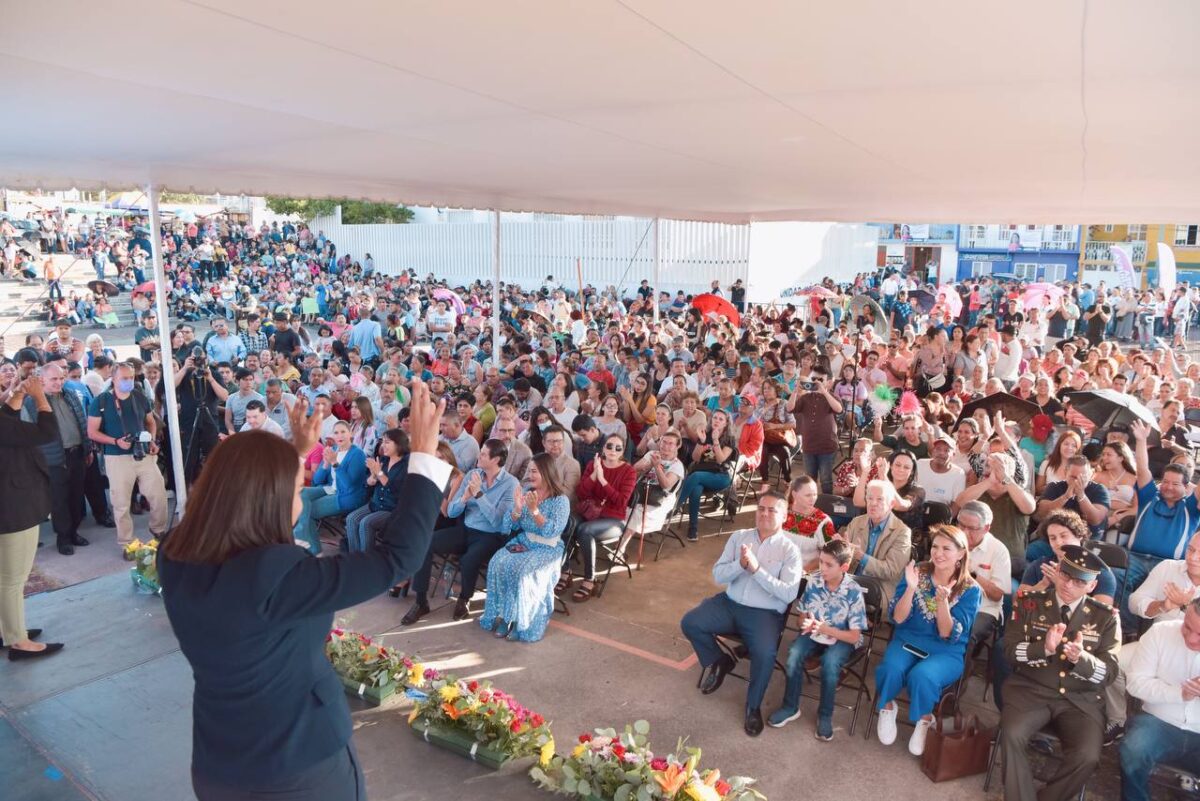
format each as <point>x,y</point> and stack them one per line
<point>928,251</point>
<point>1030,252</point>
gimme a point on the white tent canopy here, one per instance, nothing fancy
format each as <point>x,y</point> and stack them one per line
<point>939,110</point>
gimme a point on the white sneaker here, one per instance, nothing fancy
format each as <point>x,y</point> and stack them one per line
<point>886,729</point>
<point>916,743</point>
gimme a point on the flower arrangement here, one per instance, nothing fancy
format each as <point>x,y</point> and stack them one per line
<point>363,663</point>
<point>621,767</point>
<point>474,716</point>
<point>144,556</point>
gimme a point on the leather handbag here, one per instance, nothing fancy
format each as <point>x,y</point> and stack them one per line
<point>962,752</point>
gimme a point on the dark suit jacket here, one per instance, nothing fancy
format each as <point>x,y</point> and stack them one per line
<point>24,477</point>
<point>267,703</point>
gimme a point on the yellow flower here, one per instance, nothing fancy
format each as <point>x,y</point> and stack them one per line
<point>547,752</point>
<point>578,751</point>
<point>449,692</point>
<point>671,780</point>
<point>416,673</point>
<point>702,792</point>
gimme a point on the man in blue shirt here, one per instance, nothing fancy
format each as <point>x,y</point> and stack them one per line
<point>367,336</point>
<point>483,502</point>
<point>761,568</point>
<point>223,346</point>
<point>1167,517</point>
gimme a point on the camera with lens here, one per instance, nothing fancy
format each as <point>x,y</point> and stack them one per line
<point>139,445</point>
<point>199,361</point>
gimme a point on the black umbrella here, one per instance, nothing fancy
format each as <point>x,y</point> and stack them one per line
<point>103,288</point>
<point>1107,408</point>
<point>922,299</point>
<point>1014,409</point>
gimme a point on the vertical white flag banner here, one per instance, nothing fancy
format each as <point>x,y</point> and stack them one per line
<point>1123,266</point>
<point>1166,268</point>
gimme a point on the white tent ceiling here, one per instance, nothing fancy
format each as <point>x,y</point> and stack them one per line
<point>944,110</point>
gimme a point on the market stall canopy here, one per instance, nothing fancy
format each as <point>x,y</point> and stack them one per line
<point>677,108</point>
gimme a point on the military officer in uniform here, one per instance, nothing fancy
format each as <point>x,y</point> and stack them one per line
<point>1063,646</point>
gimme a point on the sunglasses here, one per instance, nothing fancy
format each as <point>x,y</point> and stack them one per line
<point>614,447</point>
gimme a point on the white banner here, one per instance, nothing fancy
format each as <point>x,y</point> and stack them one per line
<point>1024,239</point>
<point>908,231</point>
<point>1123,266</point>
<point>1166,268</point>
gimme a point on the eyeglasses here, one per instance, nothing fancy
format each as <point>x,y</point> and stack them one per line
<point>614,447</point>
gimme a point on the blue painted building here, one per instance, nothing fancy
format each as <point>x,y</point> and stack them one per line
<point>1032,252</point>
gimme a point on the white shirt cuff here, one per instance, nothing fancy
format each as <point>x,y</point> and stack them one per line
<point>429,466</point>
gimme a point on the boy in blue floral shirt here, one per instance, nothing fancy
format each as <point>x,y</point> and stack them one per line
<point>833,617</point>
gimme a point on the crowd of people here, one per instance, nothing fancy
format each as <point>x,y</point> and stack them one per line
<point>604,418</point>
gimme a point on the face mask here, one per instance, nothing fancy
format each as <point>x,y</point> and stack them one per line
<point>544,426</point>
<point>125,385</point>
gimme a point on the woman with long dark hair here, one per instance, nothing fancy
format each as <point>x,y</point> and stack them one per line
<point>252,611</point>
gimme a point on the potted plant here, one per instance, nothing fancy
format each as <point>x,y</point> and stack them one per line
<point>605,766</point>
<point>476,720</point>
<point>371,670</point>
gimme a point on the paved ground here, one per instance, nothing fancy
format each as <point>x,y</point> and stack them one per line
<point>110,717</point>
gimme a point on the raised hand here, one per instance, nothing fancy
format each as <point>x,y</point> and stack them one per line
<point>425,420</point>
<point>1054,636</point>
<point>305,430</point>
<point>910,575</point>
<point>1140,430</point>
<point>1073,648</point>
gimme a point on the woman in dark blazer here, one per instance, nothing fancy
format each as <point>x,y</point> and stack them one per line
<point>24,503</point>
<point>252,610</point>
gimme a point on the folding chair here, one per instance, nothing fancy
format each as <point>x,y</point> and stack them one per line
<point>1117,559</point>
<point>735,648</point>
<point>854,671</point>
<point>747,474</point>
<point>837,506</point>
<point>947,702</point>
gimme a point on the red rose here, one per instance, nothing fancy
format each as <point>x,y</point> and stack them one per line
<point>515,727</point>
<point>618,750</point>
<point>537,720</point>
<point>658,764</point>
<point>722,787</point>
<point>585,738</point>
<point>473,686</point>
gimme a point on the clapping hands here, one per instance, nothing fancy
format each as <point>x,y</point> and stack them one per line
<point>910,575</point>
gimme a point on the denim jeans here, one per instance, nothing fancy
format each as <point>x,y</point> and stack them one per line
<point>1140,565</point>
<point>820,467</point>
<point>694,487</point>
<point>1150,741</point>
<point>361,527</point>
<point>832,658</point>
<point>316,505</point>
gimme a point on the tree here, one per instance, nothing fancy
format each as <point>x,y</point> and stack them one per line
<point>354,212</point>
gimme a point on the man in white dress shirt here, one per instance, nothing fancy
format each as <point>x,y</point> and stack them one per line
<point>761,568</point>
<point>1165,674</point>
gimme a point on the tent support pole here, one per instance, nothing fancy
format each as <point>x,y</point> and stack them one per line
<point>496,354</point>
<point>657,265</point>
<point>168,365</point>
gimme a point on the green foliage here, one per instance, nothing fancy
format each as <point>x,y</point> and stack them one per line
<point>354,212</point>
<point>183,197</point>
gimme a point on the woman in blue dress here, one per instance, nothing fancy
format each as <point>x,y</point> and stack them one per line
<point>933,611</point>
<point>521,576</point>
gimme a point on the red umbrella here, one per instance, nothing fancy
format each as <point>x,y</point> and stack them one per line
<point>144,289</point>
<point>715,304</point>
<point>818,291</point>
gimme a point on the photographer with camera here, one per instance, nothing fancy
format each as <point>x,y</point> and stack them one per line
<point>199,392</point>
<point>122,421</point>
